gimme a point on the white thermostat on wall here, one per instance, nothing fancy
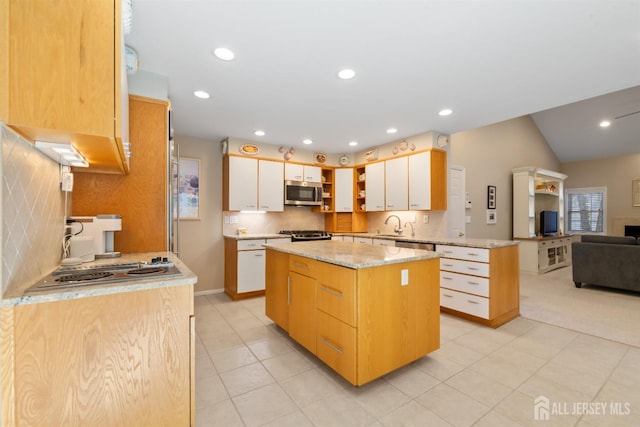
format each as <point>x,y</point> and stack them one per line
<point>343,160</point>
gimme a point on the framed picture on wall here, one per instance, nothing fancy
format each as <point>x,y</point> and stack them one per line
<point>491,217</point>
<point>491,197</point>
<point>187,196</point>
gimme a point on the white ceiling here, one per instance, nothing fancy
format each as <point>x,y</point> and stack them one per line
<point>487,60</point>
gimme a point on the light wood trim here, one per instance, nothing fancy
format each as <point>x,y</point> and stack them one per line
<point>504,274</point>
<point>7,365</point>
<point>141,196</point>
<point>336,292</point>
<point>438,180</point>
<point>192,368</point>
<point>276,288</point>
<point>119,359</point>
<point>231,267</point>
<point>5,54</point>
<point>396,324</point>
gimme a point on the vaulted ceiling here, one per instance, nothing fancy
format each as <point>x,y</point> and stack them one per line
<point>570,64</point>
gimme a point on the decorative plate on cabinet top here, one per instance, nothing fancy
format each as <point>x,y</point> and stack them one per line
<point>249,149</point>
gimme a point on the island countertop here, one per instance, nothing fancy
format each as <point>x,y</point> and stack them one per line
<point>453,241</point>
<point>17,296</point>
<point>352,255</point>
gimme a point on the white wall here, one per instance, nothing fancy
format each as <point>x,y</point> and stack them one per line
<point>488,155</point>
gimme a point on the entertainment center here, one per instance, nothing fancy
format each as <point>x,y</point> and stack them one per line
<point>538,219</point>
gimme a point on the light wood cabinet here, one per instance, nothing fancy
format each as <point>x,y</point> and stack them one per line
<point>118,359</point>
<point>144,223</point>
<point>363,323</point>
<point>66,81</point>
<point>396,184</point>
<point>480,284</point>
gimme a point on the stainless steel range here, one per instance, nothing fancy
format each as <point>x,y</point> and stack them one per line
<point>306,235</point>
<point>72,277</point>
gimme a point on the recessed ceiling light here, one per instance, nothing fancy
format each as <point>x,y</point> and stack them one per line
<point>202,94</point>
<point>445,112</point>
<point>605,124</point>
<point>392,130</point>
<point>353,143</point>
<point>346,74</point>
<point>259,133</point>
<point>307,141</point>
<point>224,54</point>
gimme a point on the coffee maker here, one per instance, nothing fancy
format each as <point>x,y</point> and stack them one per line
<point>98,228</point>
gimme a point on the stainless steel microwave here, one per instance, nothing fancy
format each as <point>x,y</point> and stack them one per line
<point>302,193</point>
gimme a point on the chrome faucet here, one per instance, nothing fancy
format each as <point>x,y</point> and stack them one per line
<point>398,229</point>
<point>413,233</point>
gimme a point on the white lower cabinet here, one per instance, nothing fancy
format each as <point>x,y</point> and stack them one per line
<point>245,266</point>
<point>464,279</point>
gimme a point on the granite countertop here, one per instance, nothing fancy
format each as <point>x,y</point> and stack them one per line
<point>460,241</point>
<point>256,236</point>
<point>16,296</point>
<point>352,255</point>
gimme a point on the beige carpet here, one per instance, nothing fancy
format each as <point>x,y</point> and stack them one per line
<point>607,313</point>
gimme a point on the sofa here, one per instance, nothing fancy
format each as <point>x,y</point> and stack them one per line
<point>610,261</point>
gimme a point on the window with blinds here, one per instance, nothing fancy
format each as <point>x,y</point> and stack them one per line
<point>586,210</point>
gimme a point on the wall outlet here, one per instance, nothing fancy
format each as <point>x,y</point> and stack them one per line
<point>467,219</point>
<point>404,277</point>
<point>425,219</point>
<point>234,219</point>
<point>413,219</point>
<point>67,181</point>
<point>226,219</point>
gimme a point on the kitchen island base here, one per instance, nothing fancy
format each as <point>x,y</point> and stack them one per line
<point>362,322</point>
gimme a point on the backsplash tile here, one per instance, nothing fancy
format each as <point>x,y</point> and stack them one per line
<point>32,211</point>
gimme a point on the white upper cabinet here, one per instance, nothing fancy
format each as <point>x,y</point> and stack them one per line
<point>270,186</point>
<point>420,181</point>
<point>243,184</point>
<point>298,172</point>
<point>375,187</point>
<point>396,184</point>
<point>343,189</point>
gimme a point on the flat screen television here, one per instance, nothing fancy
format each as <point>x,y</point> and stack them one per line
<point>548,223</point>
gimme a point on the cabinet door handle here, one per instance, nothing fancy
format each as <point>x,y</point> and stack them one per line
<point>472,283</point>
<point>331,291</point>
<point>473,268</point>
<point>289,290</point>
<point>258,255</point>
<point>300,265</point>
<point>447,295</point>
<point>472,254</point>
<point>473,302</point>
<point>448,265</point>
<point>447,278</point>
<point>331,345</point>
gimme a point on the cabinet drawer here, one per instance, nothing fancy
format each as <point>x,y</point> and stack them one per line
<point>464,267</point>
<point>466,303</point>
<point>465,253</point>
<point>464,283</point>
<point>301,265</point>
<point>336,346</point>
<point>250,244</point>
<point>336,292</point>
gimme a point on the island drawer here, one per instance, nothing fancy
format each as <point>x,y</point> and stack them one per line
<point>301,265</point>
<point>464,267</point>
<point>336,345</point>
<point>466,303</point>
<point>465,253</point>
<point>336,292</point>
<point>465,283</point>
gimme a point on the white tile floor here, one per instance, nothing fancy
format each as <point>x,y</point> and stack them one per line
<point>249,373</point>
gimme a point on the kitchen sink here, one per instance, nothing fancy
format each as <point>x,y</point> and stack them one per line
<point>415,245</point>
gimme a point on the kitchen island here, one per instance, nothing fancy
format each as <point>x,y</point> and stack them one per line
<point>100,355</point>
<point>364,310</point>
